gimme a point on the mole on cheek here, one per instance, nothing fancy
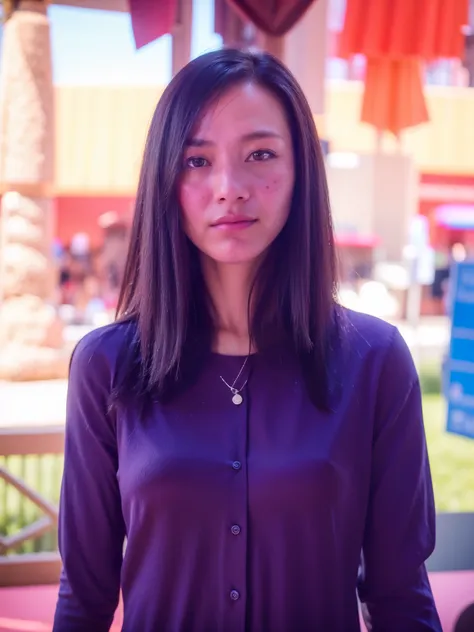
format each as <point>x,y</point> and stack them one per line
<point>273,185</point>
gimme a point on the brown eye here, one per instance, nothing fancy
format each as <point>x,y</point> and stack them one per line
<point>261,155</point>
<point>195,162</point>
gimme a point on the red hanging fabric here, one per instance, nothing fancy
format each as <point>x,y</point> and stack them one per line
<point>396,36</point>
<point>273,17</point>
<point>393,95</point>
<point>397,28</point>
<point>151,19</point>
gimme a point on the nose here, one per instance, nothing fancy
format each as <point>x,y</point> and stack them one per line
<point>230,184</point>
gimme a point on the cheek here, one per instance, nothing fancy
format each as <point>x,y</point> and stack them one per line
<point>193,201</point>
<point>276,194</point>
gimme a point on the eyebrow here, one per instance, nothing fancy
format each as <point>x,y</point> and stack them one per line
<point>256,135</point>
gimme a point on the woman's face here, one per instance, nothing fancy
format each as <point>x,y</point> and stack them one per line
<point>238,177</point>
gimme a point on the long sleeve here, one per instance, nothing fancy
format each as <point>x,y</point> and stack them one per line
<point>91,526</point>
<point>400,523</point>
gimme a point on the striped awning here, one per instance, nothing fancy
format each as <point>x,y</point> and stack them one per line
<point>455,216</point>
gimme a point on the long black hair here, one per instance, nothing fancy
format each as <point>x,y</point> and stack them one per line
<point>163,292</point>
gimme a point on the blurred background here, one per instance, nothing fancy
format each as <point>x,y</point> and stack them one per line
<point>391,87</point>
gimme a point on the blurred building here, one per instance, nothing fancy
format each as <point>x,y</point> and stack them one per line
<point>101,132</point>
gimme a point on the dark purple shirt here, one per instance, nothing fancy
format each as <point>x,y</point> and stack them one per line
<point>250,518</point>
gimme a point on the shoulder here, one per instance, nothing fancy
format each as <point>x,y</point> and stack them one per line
<point>97,354</point>
<point>366,331</point>
<point>373,342</point>
<point>91,382</point>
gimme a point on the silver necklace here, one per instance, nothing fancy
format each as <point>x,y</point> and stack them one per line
<point>237,398</point>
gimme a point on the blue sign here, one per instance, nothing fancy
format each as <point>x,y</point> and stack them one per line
<point>461,360</point>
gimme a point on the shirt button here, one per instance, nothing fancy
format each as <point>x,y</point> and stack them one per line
<point>236,465</point>
<point>234,595</point>
<point>235,529</point>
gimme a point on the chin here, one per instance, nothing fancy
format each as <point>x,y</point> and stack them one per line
<point>236,256</point>
<point>235,260</point>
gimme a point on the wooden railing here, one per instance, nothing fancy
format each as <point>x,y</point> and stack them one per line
<point>28,504</point>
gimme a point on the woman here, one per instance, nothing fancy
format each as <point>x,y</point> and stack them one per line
<point>261,449</point>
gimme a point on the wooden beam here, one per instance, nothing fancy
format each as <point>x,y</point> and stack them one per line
<point>85,192</point>
<point>33,440</point>
<point>33,531</point>
<point>305,52</point>
<point>102,5</point>
<point>182,34</point>
<point>271,44</point>
<point>33,569</point>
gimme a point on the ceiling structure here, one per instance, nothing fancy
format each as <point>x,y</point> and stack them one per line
<point>103,5</point>
<point>152,18</point>
<point>395,36</point>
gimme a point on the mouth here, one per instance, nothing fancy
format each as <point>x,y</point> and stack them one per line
<point>234,223</point>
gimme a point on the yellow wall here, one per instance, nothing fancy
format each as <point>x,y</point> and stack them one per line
<point>444,145</point>
<point>100,133</point>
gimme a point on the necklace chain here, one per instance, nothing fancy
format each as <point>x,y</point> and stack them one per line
<point>232,389</point>
<point>236,391</point>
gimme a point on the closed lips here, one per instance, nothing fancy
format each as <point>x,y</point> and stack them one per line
<point>229,221</point>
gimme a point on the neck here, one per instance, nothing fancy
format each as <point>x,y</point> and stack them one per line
<point>229,287</point>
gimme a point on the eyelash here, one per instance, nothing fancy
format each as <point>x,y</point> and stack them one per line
<point>188,161</point>
<point>271,154</point>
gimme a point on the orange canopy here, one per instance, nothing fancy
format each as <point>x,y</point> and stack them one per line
<point>396,36</point>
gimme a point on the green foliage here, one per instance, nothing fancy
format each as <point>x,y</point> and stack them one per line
<point>430,378</point>
<point>41,473</point>
<point>451,458</point>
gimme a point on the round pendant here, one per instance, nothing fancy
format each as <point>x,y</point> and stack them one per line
<point>237,399</point>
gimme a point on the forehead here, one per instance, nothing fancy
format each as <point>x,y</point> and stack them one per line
<point>240,110</point>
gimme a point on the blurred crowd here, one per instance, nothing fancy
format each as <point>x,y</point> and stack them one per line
<point>89,277</point>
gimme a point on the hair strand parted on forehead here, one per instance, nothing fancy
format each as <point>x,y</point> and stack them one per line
<point>163,292</point>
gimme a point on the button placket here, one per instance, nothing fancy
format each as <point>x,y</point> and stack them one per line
<point>237,543</point>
